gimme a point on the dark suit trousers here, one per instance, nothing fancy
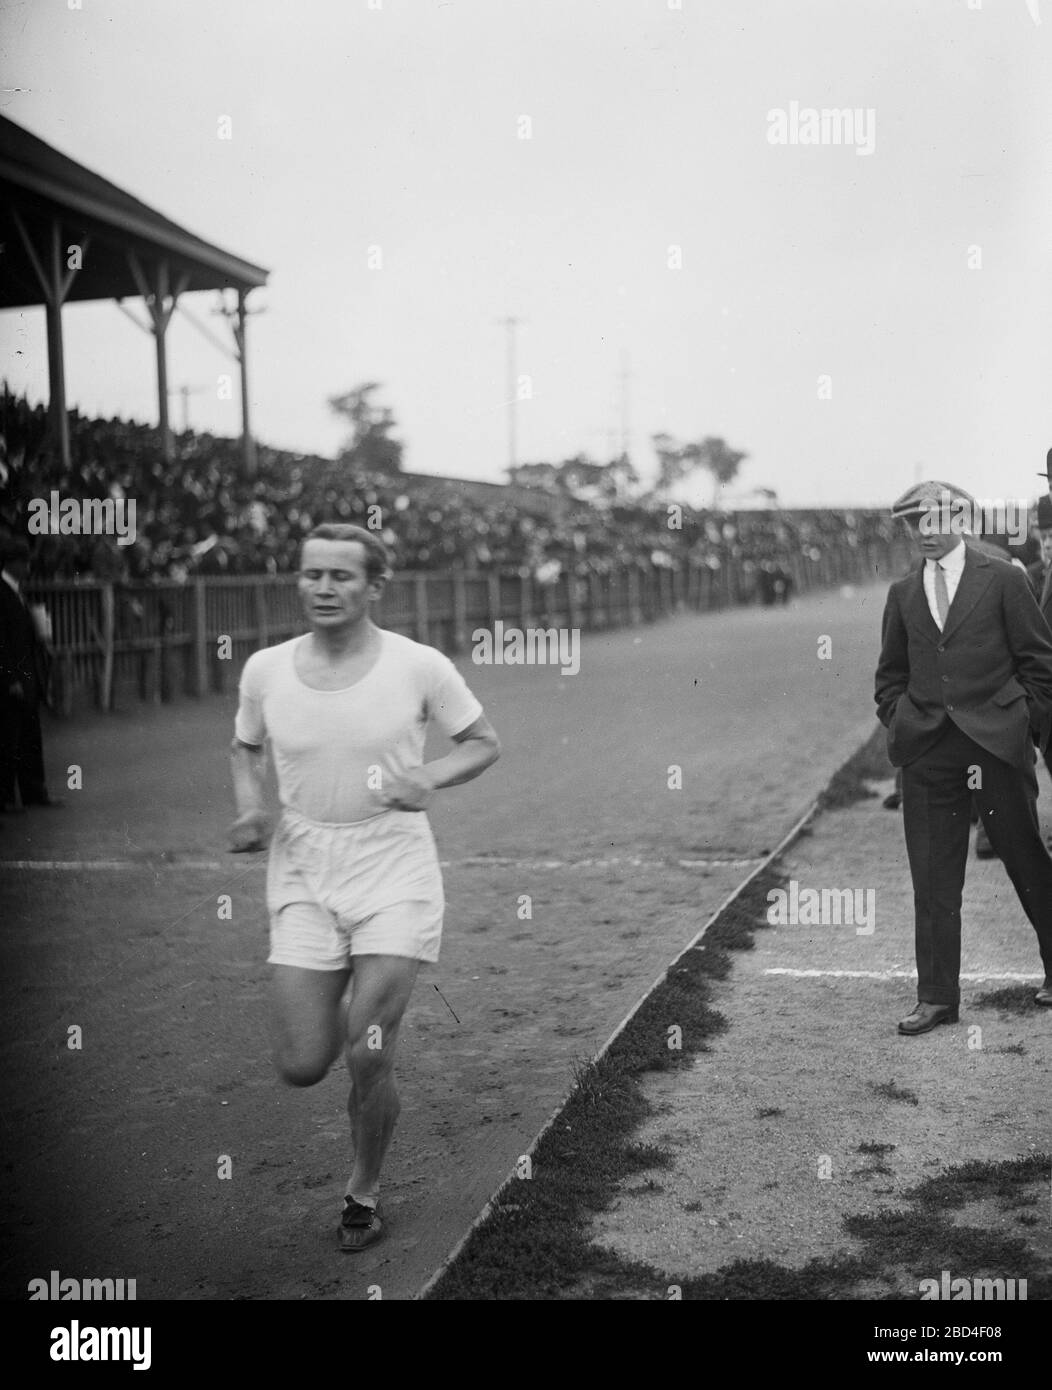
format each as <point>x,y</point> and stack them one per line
<point>936,801</point>
<point>21,750</point>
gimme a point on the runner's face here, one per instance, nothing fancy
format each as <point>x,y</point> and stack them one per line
<point>1046,547</point>
<point>334,588</point>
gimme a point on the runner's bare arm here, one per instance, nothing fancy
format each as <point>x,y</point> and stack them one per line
<point>477,747</point>
<point>251,830</point>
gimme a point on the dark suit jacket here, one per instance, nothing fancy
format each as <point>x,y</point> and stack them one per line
<point>22,656</point>
<point>1036,574</point>
<point>989,670</point>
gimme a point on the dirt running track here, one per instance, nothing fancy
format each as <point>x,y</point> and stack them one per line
<point>112,1152</point>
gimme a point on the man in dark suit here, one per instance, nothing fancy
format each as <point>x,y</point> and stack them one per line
<point>1040,576</point>
<point>963,683</point>
<point>23,684</point>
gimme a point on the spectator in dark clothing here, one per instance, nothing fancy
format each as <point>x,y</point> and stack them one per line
<point>23,687</point>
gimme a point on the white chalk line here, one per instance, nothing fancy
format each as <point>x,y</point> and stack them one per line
<point>78,864</point>
<point>486,862</point>
<point>975,977</point>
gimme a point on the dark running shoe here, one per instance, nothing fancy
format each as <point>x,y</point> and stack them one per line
<point>359,1226</point>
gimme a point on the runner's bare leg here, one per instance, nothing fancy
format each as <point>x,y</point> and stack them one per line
<point>380,992</point>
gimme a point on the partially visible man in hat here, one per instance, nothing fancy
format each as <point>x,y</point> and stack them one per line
<point>23,686</point>
<point>1040,572</point>
<point>1001,545</point>
<point>964,683</point>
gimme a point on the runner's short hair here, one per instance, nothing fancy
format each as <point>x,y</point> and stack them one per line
<point>377,560</point>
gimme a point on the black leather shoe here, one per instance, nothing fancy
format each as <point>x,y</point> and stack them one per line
<point>925,1017</point>
<point>1044,994</point>
<point>892,801</point>
<point>46,801</point>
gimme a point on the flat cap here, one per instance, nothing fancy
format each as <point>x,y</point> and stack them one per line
<point>929,496</point>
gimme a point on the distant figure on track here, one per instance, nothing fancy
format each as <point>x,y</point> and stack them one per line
<point>963,683</point>
<point>354,890</point>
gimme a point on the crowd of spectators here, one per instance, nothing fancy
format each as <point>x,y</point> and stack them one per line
<point>200,514</point>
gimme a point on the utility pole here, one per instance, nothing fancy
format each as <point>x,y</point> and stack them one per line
<point>185,392</point>
<point>625,379</point>
<point>511,324</point>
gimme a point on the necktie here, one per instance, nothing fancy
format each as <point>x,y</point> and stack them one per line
<point>942,594</point>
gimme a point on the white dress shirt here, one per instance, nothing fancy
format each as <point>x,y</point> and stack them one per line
<point>953,565</point>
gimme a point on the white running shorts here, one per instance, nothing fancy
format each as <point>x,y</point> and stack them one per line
<point>373,887</point>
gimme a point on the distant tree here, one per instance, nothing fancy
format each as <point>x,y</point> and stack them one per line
<point>540,475</point>
<point>370,445</point>
<point>674,462</point>
<point>677,462</point>
<point>579,477</point>
<point>622,480</point>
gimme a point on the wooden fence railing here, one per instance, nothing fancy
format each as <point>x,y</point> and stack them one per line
<point>161,640</point>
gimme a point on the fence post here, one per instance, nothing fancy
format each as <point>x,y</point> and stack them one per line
<point>166,665</point>
<point>262,634</point>
<point>635,611</point>
<point>594,621</point>
<point>573,607</point>
<point>796,569</point>
<point>106,678</point>
<point>420,595</point>
<point>493,596</point>
<point>200,638</point>
<point>525,600</point>
<point>460,612</point>
<point>64,670</point>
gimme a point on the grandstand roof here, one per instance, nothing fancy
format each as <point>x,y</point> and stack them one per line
<point>44,183</point>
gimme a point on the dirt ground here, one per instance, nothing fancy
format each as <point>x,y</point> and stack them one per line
<point>113,1150</point>
<point>765,1129</point>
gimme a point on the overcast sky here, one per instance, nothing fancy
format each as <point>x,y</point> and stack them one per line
<point>397,124</point>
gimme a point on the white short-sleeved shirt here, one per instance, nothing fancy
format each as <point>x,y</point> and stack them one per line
<point>328,744</point>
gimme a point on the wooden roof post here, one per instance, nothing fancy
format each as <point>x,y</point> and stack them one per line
<point>54,287</point>
<point>56,361</point>
<point>248,444</point>
<point>160,299</point>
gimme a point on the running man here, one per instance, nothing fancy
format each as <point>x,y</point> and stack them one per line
<point>354,890</point>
